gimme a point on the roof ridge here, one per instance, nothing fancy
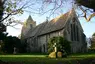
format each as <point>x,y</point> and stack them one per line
<point>39,31</point>
<point>52,25</point>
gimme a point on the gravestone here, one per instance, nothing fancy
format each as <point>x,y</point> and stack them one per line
<point>14,52</point>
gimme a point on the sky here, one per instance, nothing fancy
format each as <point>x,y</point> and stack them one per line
<point>88,27</point>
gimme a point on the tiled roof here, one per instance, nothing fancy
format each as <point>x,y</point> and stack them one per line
<point>55,24</point>
<point>50,26</point>
<point>36,30</point>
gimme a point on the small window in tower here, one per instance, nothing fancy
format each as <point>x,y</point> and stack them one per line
<point>74,19</point>
<point>31,25</point>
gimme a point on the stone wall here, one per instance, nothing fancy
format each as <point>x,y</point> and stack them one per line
<point>76,45</point>
<point>43,40</point>
<point>39,43</point>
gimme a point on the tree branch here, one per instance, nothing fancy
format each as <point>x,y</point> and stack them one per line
<point>85,15</point>
<point>5,17</point>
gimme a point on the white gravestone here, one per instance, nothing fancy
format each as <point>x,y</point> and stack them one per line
<point>14,50</point>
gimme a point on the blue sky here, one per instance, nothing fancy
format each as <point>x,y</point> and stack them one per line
<point>88,27</point>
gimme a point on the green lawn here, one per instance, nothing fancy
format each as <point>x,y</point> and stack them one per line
<point>23,56</point>
<point>43,59</point>
<point>84,55</point>
<point>40,60</point>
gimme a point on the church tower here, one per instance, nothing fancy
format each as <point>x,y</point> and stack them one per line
<point>28,24</point>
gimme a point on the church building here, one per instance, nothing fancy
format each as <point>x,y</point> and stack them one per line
<point>67,25</point>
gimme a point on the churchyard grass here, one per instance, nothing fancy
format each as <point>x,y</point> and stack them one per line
<point>83,55</point>
<point>23,56</point>
<point>43,59</point>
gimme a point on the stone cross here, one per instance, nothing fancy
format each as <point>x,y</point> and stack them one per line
<point>55,48</point>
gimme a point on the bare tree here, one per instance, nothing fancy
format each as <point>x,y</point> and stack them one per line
<point>2,26</point>
<point>9,8</point>
<point>84,5</point>
<point>15,7</point>
<point>89,5</point>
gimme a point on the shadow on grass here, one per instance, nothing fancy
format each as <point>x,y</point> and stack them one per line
<point>42,59</point>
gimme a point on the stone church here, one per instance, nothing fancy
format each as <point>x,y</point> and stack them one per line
<point>67,25</point>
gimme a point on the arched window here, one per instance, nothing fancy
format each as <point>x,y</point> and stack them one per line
<point>77,33</point>
<point>74,31</point>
